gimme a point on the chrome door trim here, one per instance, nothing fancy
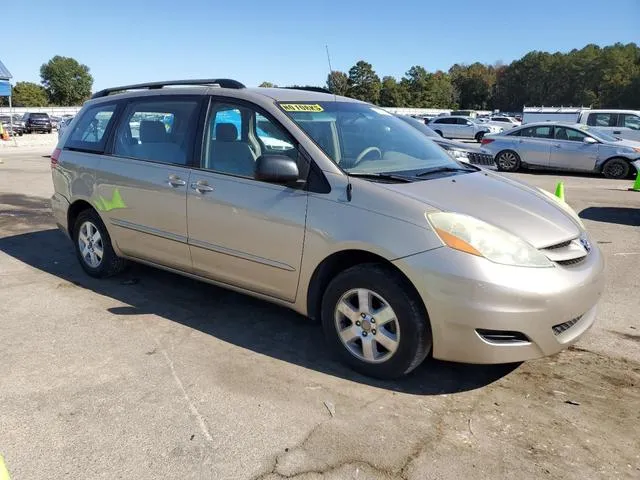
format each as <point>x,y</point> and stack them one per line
<point>148,230</point>
<point>242,255</point>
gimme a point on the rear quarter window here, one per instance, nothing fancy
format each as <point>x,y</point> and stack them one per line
<point>89,133</point>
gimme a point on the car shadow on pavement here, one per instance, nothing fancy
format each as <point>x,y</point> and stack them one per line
<point>232,317</point>
<point>619,215</point>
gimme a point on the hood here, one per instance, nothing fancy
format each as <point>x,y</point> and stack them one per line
<point>507,204</point>
<point>625,143</point>
<point>458,145</point>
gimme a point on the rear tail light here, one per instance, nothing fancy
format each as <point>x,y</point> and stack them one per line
<point>486,141</point>
<point>54,157</point>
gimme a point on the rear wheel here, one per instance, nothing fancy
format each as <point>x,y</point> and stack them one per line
<point>374,321</point>
<point>93,246</point>
<point>616,168</point>
<point>479,136</point>
<point>508,161</point>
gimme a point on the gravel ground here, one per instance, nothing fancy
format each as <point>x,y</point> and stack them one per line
<point>149,375</point>
<point>39,140</point>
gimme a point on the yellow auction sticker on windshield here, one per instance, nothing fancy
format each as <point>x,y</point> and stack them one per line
<point>301,107</point>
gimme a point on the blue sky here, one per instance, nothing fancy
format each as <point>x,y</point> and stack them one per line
<point>283,41</point>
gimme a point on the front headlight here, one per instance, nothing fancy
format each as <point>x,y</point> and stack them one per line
<point>565,206</point>
<point>470,235</point>
<point>458,153</point>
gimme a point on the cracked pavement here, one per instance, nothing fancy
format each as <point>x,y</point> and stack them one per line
<point>150,375</point>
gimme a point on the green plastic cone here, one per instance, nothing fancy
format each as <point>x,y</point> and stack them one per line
<point>636,184</point>
<point>560,191</point>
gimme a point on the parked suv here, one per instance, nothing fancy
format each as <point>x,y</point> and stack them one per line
<point>364,223</point>
<point>461,127</point>
<point>37,122</point>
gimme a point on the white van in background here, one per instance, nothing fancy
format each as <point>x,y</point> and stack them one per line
<point>552,114</point>
<point>619,123</point>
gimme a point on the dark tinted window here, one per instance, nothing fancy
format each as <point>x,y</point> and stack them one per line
<point>461,121</point>
<point>40,115</point>
<point>89,131</point>
<point>538,132</point>
<point>629,120</point>
<point>157,130</point>
<point>602,119</point>
<point>564,133</point>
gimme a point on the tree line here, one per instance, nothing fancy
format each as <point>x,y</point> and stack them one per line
<point>606,77</point>
<point>64,82</point>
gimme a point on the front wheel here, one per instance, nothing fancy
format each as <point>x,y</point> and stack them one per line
<point>508,161</point>
<point>616,168</point>
<point>479,136</point>
<point>374,321</point>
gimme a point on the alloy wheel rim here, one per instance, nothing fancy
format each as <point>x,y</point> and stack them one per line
<point>367,325</point>
<point>508,160</point>
<point>615,170</point>
<point>90,244</point>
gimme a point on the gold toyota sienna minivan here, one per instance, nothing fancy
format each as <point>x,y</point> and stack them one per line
<point>331,207</point>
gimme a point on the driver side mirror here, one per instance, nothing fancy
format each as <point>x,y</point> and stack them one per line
<point>276,169</point>
<point>589,140</point>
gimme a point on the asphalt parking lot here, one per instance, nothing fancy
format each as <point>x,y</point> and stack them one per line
<point>149,375</point>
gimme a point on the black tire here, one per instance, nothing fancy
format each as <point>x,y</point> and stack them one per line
<point>28,131</point>
<point>508,161</point>
<point>616,168</point>
<point>439,133</point>
<point>412,320</point>
<point>49,131</point>
<point>110,264</point>
<point>479,136</point>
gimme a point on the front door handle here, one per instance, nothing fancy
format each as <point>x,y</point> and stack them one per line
<point>557,145</point>
<point>617,132</point>
<point>175,181</point>
<point>202,187</point>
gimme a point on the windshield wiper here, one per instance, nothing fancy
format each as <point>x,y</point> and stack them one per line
<point>381,176</point>
<point>430,171</point>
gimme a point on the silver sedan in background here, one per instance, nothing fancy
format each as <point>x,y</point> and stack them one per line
<point>562,146</point>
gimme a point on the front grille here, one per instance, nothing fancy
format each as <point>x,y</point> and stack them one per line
<point>567,253</point>
<point>480,158</point>
<point>502,336</point>
<point>573,261</point>
<point>559,245</point>
<point>563,327</point>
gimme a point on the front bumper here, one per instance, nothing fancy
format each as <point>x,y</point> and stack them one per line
<point>464,293</point>
<point>39,128</point>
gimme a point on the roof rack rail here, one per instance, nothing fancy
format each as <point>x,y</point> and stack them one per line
<point>220,82</point>
<point>311,89</point>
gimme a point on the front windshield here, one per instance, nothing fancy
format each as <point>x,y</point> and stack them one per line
<point>362,138</point>
<point>419,125</point>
